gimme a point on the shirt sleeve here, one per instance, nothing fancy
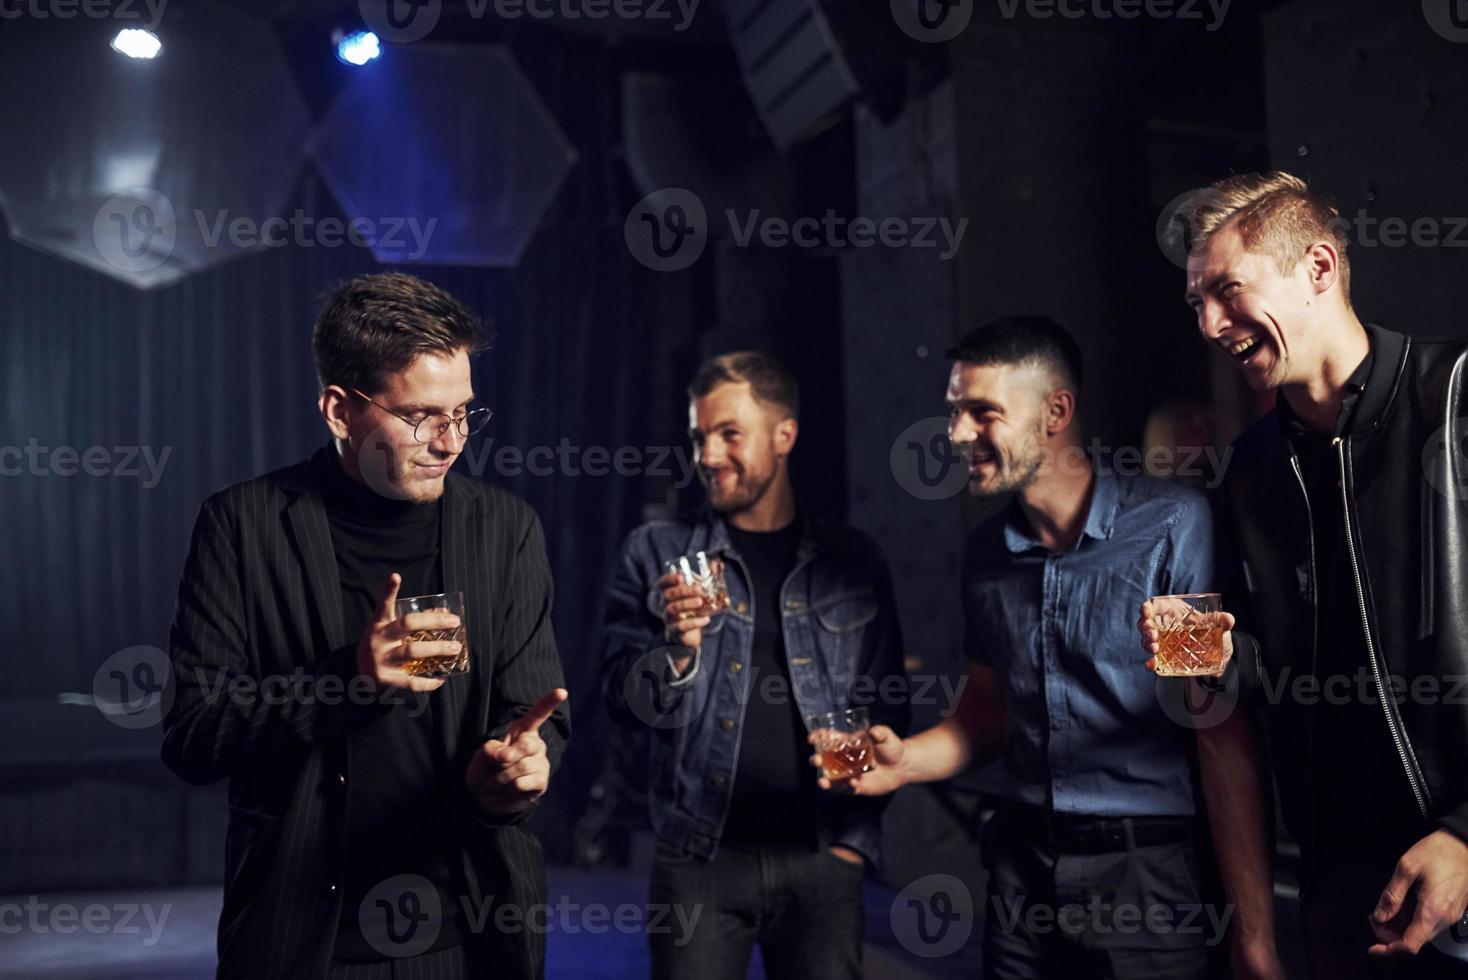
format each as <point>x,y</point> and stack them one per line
<point>1190,563</point>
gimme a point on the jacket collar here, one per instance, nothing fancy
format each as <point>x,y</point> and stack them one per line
<point>306,515</point>
<point>1390,350</point>
<point>1019,537</point>
<point>816,537</point>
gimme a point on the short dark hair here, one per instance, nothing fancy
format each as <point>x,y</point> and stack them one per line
<point>769,379</point>
<point>373,326</point>
<point>1021,339</point>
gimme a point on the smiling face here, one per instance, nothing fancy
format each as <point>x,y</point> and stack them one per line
<point>998,423</point>
<point>1266,321</point>
<point>380,446</point>
<point>739,444</point>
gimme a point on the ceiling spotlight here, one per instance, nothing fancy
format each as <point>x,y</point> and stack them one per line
<point>137,43</point>
<point>356,48</point>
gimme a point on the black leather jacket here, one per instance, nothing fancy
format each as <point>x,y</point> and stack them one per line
<point>1404,474</point>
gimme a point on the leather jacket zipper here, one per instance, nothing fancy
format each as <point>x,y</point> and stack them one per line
<point>1315,619</point>
<point>1398,739</point>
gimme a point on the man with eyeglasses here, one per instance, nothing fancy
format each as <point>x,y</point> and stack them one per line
<point>376,822</point>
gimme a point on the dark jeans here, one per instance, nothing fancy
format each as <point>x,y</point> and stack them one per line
<point>1134,913</point>
<point>802,906</point>
<point>1334,910</point>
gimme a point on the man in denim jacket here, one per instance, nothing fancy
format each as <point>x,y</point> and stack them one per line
<point>749,848</point>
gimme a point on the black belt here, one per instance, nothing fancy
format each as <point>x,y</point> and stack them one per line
<point>1080,834</point>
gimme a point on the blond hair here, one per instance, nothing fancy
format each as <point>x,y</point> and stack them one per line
<point>1277,215</point>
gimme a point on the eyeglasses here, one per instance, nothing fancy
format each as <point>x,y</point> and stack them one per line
<point>433,427</point>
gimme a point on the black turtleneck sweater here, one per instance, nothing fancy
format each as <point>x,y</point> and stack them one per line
<point>396,817</point>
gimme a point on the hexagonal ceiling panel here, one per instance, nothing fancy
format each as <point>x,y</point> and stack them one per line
<point>137,168</point>
<point>449,145</point>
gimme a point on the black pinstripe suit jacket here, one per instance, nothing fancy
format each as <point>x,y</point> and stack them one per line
<point>266,688</point>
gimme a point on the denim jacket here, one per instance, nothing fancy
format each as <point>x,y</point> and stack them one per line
<point>842,644</point>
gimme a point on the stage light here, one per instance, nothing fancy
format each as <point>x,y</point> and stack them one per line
<point>137,43</point>
<point>357,48</point>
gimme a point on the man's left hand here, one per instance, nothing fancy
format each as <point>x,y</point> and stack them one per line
<point>508,775</point>
<point>1428,892</point>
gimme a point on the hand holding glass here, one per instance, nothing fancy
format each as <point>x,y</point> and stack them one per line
<point>1190,634</point>
<point>436,666</point>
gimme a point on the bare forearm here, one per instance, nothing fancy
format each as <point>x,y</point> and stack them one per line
<point>1233,786</point>
<point>939,753</point>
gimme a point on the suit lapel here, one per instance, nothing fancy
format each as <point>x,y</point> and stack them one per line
<point>459,533</point>
<point>306,515</point>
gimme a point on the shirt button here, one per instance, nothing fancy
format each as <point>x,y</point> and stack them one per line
<point>331,887</point>
<point>727,724</point>
<point>742,607</point>
<point>735,667</point>
<point>341,777</point>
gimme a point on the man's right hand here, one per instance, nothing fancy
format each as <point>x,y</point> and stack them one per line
<point>888,772</point>
<point>385,646</point>
<point>1152,637</point>
<point>683,627</point>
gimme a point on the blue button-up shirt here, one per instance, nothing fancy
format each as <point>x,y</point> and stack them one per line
<point>1089,734</point>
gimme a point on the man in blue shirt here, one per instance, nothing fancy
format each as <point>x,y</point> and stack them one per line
<point>1093,869</point>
